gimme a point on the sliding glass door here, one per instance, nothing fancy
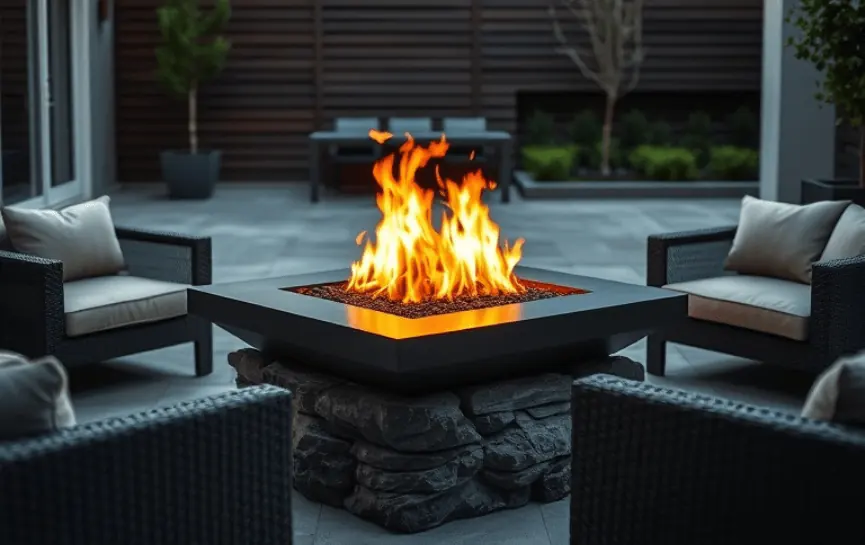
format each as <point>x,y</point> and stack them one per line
<point>43,102</point>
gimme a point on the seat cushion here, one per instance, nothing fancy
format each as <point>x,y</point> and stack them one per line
<point>81,236</point>
<point>34,396</point>
<point>848,237</point>
<point>782,240</point>
<point>758,303</point>
<point>838,394</point>
<point>109,302</point>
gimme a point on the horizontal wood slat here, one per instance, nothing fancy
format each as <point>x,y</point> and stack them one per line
<point>386,58</point>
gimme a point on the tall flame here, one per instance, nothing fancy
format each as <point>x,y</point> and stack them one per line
<point>411,261</point>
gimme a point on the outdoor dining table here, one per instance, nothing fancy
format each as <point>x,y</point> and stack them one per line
<point>498,140</point>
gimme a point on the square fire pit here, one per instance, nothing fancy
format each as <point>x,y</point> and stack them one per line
<point>564,319</point>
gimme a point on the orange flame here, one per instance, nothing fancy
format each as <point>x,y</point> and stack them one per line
<point>411,261</point>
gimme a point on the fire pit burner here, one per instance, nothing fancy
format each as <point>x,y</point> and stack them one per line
<point>535,291</point>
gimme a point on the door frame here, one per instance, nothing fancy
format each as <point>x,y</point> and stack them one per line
<point>81,187</point>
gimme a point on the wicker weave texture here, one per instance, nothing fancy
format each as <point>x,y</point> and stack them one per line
<point>658,466</point>
<point>215,471</point>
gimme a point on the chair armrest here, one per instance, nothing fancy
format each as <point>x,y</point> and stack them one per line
<point>687,255</point>
<point>32,319</point>
<point>654,465</point>
<point>216,470</point>
<point>838,307</point>
<point>167,256</point>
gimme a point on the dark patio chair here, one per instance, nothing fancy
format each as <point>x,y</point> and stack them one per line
<point>653,465</point>
<point>465,125</point>
<point>353,161</point>
<point>212,471</point>
<point>34,302</point>
<point>400,125</point>
<point>835,327</point>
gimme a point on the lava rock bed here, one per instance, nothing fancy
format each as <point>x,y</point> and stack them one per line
<point>413,463</point>
<point>535,291</point>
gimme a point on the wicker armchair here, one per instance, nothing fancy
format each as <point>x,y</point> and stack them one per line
<point>33,321</point>
<point>653,465</point>
<point>836,325</point>
<point>215,471</point>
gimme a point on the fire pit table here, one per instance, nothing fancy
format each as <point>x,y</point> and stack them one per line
<point>451,412</point>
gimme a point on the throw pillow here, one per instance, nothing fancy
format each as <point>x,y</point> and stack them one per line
<point>838,394</point>
<point>34,396</point>
<point>781,240</point>
<point>848,237</point>
<point>81,236</point>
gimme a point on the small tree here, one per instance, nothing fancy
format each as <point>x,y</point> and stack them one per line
<point>615,31</point>
<point>831,39</point>
<point>191,51</point>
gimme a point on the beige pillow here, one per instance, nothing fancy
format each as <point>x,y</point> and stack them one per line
<point>34,396</point>
<point>81,236</point>
<point>781,240</point>
<point>838,395</point>
<point>848,237</point>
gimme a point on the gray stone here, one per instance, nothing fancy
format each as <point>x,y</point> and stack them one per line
<point>422,424</point>
<point>555,483</point>
<point>529,442</point>
<point>426,481</point>
<point>391,460</point>
<point>418,512</point>
<point>510,480</point>
<point>249,364</point>
<point>306,386</point>
<point>489,424</point>
<point>323,467</point>
<point>511,395</point>
<point>550,409</point>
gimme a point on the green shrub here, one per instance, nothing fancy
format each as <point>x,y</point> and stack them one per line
<point>660,134</point>
<point>549,163</point>
<point>593,154</point>
<point>734,163</point>
<point>743,128</point>
<point>660,163</point>
<point>585,132</point>
<point>540,129</point>
<point>697,136</point>
<point>633,130</point>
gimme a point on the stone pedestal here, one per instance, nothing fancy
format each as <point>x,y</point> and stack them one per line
<point>412,463</point>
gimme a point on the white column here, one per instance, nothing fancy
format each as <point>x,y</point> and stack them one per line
<point>797,132</point>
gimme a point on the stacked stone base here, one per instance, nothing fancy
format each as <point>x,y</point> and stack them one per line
<point>413,463</point>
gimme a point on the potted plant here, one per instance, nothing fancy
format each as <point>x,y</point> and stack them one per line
<point>830,35</point>
<point>191,52</point>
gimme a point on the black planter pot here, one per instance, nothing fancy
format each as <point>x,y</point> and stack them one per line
<point>190,175</point>
<point>832,190</point>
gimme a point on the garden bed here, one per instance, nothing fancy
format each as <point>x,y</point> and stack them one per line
<point>631,189</point>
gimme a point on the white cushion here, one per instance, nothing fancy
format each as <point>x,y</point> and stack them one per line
<point>34,396</point>
<point>82,236</point>
<point>109,302</point>
<point>759,303</point>
<point>848,237</point>
<point>838,394</point>
<point>782,240</point>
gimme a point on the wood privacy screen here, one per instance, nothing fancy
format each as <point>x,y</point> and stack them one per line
<point>297,64</point>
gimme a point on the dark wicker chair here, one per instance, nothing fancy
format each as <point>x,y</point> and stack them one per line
<point>215,471</point>
<point>32,320</point>
<point>653,465</point>
<point>836,326</point>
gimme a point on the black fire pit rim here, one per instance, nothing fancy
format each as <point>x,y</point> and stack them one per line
<point>275,294</point>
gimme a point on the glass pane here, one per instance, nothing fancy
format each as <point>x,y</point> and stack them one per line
<point>61,105</point>
<point>19,105</point>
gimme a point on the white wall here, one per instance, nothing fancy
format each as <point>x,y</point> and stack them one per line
<point>797,133</point>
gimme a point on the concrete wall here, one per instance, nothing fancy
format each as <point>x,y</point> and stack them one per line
<point>798,133</point>
<point>102,101</point>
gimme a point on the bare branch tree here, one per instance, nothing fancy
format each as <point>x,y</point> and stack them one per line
<point>615,31</point>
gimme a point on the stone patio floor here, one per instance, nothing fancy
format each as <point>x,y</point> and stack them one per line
<point>272,230</point>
